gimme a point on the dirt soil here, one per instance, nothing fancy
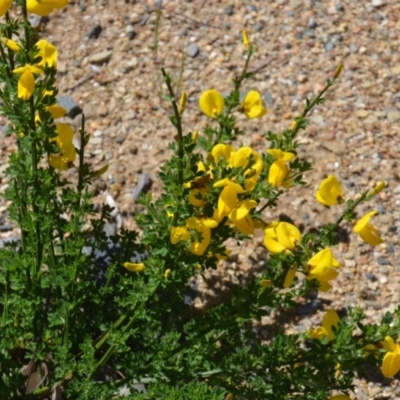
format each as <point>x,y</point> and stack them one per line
<point>110,55</point>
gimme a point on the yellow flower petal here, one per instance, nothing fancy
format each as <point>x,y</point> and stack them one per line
<point>134,267</point>
<point>391,364</point>
<point>179,233</point>
<point>288,235</point>
<point>245,225</point>
<point>245,36</point>
<point>212,103</point>
<point>277,173</point>
<point>252,105</point>
<point>367,232</point>
<point>5,6</point>
<point>242,209</point>
<point>26,85</point>
<point>289,277</point>
<point>44,7</point>
<point>329,192</point>
<point>266,283</point>
<point>47,52</point>
<point>196,197</point>
<point>281,155</point>
<point>14,46</point>
<point>56,111</point>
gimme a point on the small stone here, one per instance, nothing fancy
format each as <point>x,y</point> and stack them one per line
<point>268,98</point>
<point>101,58</point>
<point>318,119</point>
<point>310,33</point>
<point>349,263</point>
<point>192,50</point>
<point>144,184</point>
<point>371,277</point>
<point>121,137</point>
<point>229,10</point>
<point>312,23</point>
<point>377,3</point>
<point>258,27</point>
<point>94,32</point>
<point>335,147</point>
<point>329,46</point>
<point>396,70</point>
<point>70,105</point>
<point>393,115</point>
<point>339,7</point>
<point>130,32</point>
<point>383,261</point>
<point>362,113</point>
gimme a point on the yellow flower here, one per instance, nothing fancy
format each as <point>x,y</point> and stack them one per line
<point>377,189</point>
<point>26,83</point>
<point>203,226</point>
<point>179,233</point>
<point>252,106</point>
<point>391,361</point>
<point>182,103</point>
<point>329,192</point>
<point>47,52</point>
<point>167,273</point>
<point>246,41</point>
<point>196,197</point>
<point>14,46</point>
<point>329,320</point>
<point>228,199</point>
<point>279,171</point>
<point>280,236</point>
<point>5,6</point>
<point>212,103</point>
<point>44,7</point>
<point>266,283</point>
<point>67,153</point>
<point>195,136</point>
<point>367,232</point>
<point>134,267</point>
<point>322,266</point>
<point>56,111</point>
<point>289,277</point>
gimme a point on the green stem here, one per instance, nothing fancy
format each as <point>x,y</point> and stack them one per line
<point>310,106</point>
<point>178,125</point>
<point>9,35</point>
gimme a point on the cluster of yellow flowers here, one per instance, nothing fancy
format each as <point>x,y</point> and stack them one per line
<point>391,360</point>
<point>46,56</point>
<point>39,7</point>
<point>330,193</point>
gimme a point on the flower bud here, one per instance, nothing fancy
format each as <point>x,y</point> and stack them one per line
<point>195,136</point>
<point>338,71</point>
<point>265,283</point>
<point>182,103</point>
<point>377,189</point>
<point>246,41</point>
<point>167,273</point>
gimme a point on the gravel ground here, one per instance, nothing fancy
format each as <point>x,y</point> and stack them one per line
<point>110,57</point>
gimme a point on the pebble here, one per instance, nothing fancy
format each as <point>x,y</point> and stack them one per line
<point>329,46</point>
<point>192,50</point>
<point>393,115</point>
<point>94,32</point>
<point>100,58</point>
<point>312,23</point>
<point>72,107</point>
<point>377,3</point>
